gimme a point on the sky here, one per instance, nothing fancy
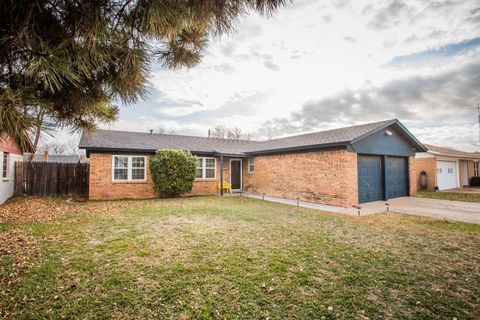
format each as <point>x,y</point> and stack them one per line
<point>317,65</point>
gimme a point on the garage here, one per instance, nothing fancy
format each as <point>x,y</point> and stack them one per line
<point>446,175</point>
<point>381,177</point>
<point>396,177</point>
<point>369,178</point>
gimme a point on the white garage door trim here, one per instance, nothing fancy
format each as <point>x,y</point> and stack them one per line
<point>447,174</point>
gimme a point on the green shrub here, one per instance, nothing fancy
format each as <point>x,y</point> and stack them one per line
<point>173,171</point>
<point>475,181</point>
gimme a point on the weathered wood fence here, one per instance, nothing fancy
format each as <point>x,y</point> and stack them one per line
<point>51,179</point>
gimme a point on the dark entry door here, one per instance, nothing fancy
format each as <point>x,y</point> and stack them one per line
<point>396,177</point>
<point>369,178</point>
<point>236,174</point>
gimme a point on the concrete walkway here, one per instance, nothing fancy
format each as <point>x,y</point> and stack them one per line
<point>441,209</point>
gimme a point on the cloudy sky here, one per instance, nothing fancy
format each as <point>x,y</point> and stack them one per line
<point>318,65</point>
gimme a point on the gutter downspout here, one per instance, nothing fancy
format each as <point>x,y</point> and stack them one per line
<point>221,175</point>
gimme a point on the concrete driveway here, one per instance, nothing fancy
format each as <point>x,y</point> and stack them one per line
<point>443,209</point>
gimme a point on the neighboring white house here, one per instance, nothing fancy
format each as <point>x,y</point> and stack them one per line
<point>10,152</point>
<point>447,168</point>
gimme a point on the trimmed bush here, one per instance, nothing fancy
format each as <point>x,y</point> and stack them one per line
<point>475,181</point>
<point>173,171</point>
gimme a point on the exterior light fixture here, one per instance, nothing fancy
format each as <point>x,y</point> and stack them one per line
<point>388,132</point>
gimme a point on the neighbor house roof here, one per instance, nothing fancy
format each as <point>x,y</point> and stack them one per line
<point>74,158</point>
<point>109,140</point>
<point>451,152</point>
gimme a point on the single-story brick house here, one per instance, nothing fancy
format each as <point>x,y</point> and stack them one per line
<point>342,167</point>
<point>447,168</point>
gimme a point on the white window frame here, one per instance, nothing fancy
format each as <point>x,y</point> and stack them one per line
<point>204,168</point>
<point>251,162</point>
<point>475,170</point>
<point>129,168</point>
<point>5,166</point>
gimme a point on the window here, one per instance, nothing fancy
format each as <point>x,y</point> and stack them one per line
<point>127,168</point>
<point>5,161</point>
<point>206,168</point>
<point>450,170</point>
<point>439,170</point>
<point>251,165</point>
<point>138,168</point>
<point>475,168</point>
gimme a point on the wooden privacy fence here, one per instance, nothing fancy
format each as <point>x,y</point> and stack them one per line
<point>51,179</point>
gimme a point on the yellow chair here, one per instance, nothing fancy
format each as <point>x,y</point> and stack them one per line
<point>227,186</point>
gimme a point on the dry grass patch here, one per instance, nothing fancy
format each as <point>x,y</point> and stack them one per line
<point>226,258</point>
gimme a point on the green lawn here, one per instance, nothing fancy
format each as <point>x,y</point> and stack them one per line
<point>455,196</point>
<point>232,258</point>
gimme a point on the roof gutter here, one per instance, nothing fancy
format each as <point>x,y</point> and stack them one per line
<point>132,150</point>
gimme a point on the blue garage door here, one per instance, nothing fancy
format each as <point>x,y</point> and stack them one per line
<point>396,177</point>
<point>369,178</point>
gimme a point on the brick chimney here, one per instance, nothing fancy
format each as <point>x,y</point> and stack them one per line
<point>45,156</point>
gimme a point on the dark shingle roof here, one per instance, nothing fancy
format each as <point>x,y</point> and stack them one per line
<point>329,137</point>
<point>452,152</point>
<point>110,140</point>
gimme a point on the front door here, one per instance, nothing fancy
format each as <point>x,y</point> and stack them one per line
<point>236,174</point>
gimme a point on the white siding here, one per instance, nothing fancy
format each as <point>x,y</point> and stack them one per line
<point>6,184</point>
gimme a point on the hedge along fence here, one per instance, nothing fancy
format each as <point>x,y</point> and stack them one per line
<point>51,179</point>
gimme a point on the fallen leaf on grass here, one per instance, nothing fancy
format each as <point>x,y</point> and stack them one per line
<point>20,248</point>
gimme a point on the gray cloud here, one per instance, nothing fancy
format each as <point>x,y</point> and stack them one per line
<point>340,4</point>
<point>327,18</point>
<point>389,15</point>
<point>223,67</point>
<point>350,39</point>
<point>446,98</point>
<point>271,65</point>
<point>228,48</point>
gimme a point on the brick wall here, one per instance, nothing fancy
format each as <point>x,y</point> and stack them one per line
<point>102,187</point>
<point>413,175</point>
<point>328,177</point>
<point>470,170</point>
<point>429,165</point>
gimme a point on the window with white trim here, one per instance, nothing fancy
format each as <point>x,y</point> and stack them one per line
<point>475,169</point>
<point>206,168</point>
<point>129,168</point>
<point>251,165</point>
<point>5,162</point>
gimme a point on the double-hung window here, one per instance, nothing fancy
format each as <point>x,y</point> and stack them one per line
<point>251,165</point>
<point>206,168</point>
<point>475,169</point>
<point>5,163</point>
<point>129,168</point>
